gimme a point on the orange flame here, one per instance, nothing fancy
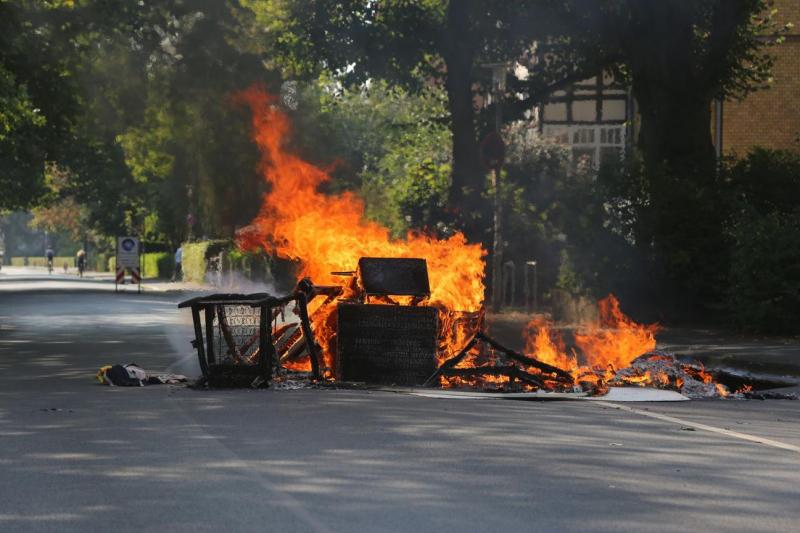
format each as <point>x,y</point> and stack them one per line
<point>328,233</point>
<point>614,339</point>
<point>548,346</point>
<point>609,344</point>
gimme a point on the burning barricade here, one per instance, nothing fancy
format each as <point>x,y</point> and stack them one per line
<point>374,309</point>
<point>378,327</point>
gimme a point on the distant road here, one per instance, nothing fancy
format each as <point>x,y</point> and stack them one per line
<point>37,279</point>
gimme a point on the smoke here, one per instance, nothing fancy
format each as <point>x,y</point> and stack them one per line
<point>180,334</point>
<point>236,282</point>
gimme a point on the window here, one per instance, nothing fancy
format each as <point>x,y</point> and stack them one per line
<point>589,116</point>
<point>599,142</point>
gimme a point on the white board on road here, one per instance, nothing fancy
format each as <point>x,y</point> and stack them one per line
<point>127,252</point>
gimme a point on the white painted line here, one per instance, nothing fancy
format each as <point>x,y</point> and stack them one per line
<point>638,394</point>
<point>704,427</point>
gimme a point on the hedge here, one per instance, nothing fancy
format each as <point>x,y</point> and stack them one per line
<point>154,265</point>
<point>193,261</point>
<point>58,262</point>
<point>196,257</point>
<point>157,265</point>
<point>99,262</point>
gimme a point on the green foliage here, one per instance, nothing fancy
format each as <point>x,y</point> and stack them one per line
<point>407,187</point>
<point>157,265</point>
<point>557,215</point>
<point>99,262</point>
<point>391,143</point>
<point>764,293</point>
<point>764,234</point>
<point>568,278</point>
<point>254,266</point>
<point>194,261</point>
<point>58,261</point>
<point>360,39</point>
<point>37,100</point>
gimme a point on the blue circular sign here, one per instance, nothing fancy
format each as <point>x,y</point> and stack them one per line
<point>128,244</point>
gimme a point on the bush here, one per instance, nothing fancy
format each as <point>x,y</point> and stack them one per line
<point>157,265</point>
<point>765,273</point>
<point>193,261</point>
<point>99,262</point>
<point>764,233</point>
<point>254,266</point>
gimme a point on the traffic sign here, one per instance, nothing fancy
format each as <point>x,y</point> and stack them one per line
<point>128,252</point>
<point>493,151</point>
<point>128,259</point>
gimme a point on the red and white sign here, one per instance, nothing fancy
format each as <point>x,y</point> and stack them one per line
<point>127,252</point>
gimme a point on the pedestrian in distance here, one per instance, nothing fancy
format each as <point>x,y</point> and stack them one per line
<point>80,261</point>
<point>49,255</point>
<point>177,275</point>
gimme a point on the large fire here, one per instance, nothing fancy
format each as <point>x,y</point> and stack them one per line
<point>327,234</point>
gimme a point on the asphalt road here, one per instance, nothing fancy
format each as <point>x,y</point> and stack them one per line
<point>78,456</point>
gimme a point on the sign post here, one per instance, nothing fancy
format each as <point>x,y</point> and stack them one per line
<point>493,153</point>
<point>128,258</point>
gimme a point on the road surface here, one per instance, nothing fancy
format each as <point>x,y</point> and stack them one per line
<point>78,456</point>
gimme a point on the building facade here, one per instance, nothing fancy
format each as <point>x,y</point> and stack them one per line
<point>769,118</point>
<point>592,117</point>
<point>597,117</point>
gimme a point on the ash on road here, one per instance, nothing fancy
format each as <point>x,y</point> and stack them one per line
<point>77,456</point>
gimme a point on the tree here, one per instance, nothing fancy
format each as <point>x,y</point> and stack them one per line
<point>37,100</point>
<point>162,139</point>
<point>391,144</point>
<point>413,43</point>
<point>678,56</point>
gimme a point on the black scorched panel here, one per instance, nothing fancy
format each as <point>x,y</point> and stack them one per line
<point>386,343</point>
<point>394,276</point>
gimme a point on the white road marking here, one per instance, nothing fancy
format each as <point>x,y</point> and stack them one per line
<point>704,427</point>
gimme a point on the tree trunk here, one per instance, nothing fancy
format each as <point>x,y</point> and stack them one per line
<point>468,177</point>
<point>686,207</point>
<point>676,131</point>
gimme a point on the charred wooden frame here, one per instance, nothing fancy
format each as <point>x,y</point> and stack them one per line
<point>448,369</point>
<point>269,307</point>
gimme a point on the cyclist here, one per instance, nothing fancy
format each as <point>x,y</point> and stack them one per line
<point>80,261</point>
<point>49,254</point>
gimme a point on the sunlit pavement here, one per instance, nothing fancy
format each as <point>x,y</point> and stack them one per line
<point>78,456</point>
<point>28,279</point>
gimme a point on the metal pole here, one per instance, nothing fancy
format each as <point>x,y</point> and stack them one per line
<point>718,110</point>
<point>528,266</point>
<point>498,84</point>
<point>535,288</point>
<point>497,249</point>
